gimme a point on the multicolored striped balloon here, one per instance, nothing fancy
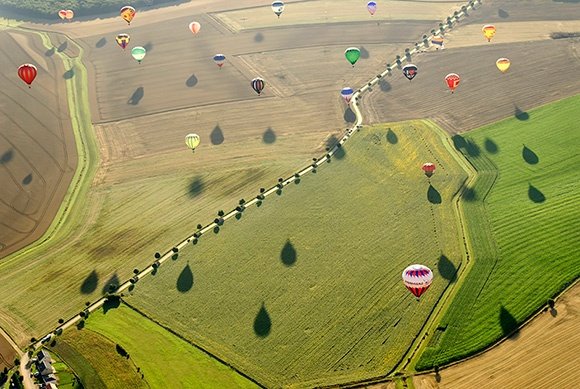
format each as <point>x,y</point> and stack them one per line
<point>219,60</point>
<point>372,7</point>
<point>258,85</point>
<point>417,278</point>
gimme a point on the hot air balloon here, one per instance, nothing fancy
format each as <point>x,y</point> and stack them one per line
<point>62,14</point>
<point>417,278</point>
<point>278,8</point>
<point>437,41</point>
<point>194,27</point>
<point>127,13</point>
<point>192,141</point>
<point>372,7</point>
<point>410,71</point>
<point>138,53</point>
<point>352,55</point>
<point>258,85</point>
<point>452,81</point>
<point>503,64</point>
<point>219,59</point>
<point>428,168</point>
<point>346,94</point>
<point>69,14</point>
<point>123,40</point>
<point>27,73</point>
<point>488,31</point>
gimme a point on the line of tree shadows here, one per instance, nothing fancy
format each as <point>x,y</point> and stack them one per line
<point>62,47</point>
<point>490,146</point>
<point>288,254</point>
<point>521,115</point>
<point>509,324</point>
<point>101,43</point>
<point>529,156</point>
<point>469,194</point>
<point>259,37</point>
<point>392,137</point>
<point>332,141</point>
<point>50,52</point>
<point>112,284</point>
<point>185,280</point>
<point>6,157</point>
<point>69,74</point>
<point>137,96</point>
<point>269,136</point>
<point>447,269</point>
<point>112,302</point>
<point>535,194</point>
<point>349,116</point>
<point>27,180</point>
<point>502,13</point>
<point>433,195</point>
<point>262,323</point>
<point>196,186</point>
<point>465,145</point>
<point>217,135</point>
<point>384,85</point>
<point>191,81</point>
<point>90,283</point>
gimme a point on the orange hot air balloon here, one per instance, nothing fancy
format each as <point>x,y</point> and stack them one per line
<point>128,13</point>
<point>194,27</point>
<point>452,81</point>
<point>488,31</point>
<point>62,14</point>
<point>69,14</point>
<point>27,72</point>
<point>503,64</point>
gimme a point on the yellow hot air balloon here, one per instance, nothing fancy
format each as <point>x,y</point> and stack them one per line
<point>503,64</point>
<point>192,141</point>
<point>488,31</point>
<point>127,13</point>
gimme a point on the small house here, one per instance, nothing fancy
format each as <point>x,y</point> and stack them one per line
<point>44,367</point>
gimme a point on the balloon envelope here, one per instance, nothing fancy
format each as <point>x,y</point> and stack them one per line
<point>127,13</point>
<point>219,59</point>
<point>69,14</point>
<point>62,14</point>
<point>27,72</point>
<point>372,7</point>
<point>138,53</point>
<point>346,94</point>
<point>428,168</point>
<point>352,55</point>
<point>417,278</point>
<point>503,64</point>
<point>452,81</point>
<point>437,41</point>
<point>278,7</point>
<point>192,141</point>
<point>194,27</point>
<point>258,85</point>
<point>488,31</point>
<point>410,71</point>
<point>123,40</point>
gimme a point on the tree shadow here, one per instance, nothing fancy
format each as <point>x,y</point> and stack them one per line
<point>553,312</point>
<point>535,194</point>
<point>408,57</point>
<point>521,115</point>
<point>27,180</point>
<point>191,81</point>
<point>472,149</point>
<point>364,53</point>
<point>113,281</point>
<point>6,157</point>
<point>490,146</point>
<point>259,37</point>
<point>262,323</point>
<point>50,52</point>
<point>196,186</point>
<point>288,254</point>
<point>529,156</point>
<point>121,351</point>
<point>349,116</point>
<point>137,96</point>
<point>392,137</point>
<point>502,14</point>
<point>447,269</point>
<point>332,141</point>
<point>217,135</point>
<point>458,141</point>
<point>509,324</point>
<point>62,47</point>
<point>384,85</point>
<point>101,43</point>
<point>111,302</point>
<point>69,74</point>
<point>81,325</point>
<point>269,136</point>
<point>469,194</point>
<point>433,195</point>
<point>185,280</point>
<point>90,283</point>
<point>148,46</point>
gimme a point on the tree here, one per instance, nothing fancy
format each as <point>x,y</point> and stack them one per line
<point>433,32</point>
<point>88,303</point>
<point>157,255</point>
<point>262,190</point>
<point>280,179</point>
<point>82,314</point>
<point>221,213</point>
<point>60,321</point>
<point>296,175</point>
<point>242,202</point>
<point>135,271</point>
<point>551,303</point>
<point>32,340</point>
<point>175,249</point>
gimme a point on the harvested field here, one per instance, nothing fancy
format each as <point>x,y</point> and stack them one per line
<point>7,352</point>
<point>544,354</point>
<point>37,148</point>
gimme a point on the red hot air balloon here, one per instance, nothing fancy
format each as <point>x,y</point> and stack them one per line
<point>27,73</point>
<point>428,168</point>
<point>417,278</point>
<point>452,81</point>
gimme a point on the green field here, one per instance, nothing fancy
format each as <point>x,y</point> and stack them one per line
<point>307,289</point>
<point>66,377</point>
<point>530,163</point>
<point>164,359</point>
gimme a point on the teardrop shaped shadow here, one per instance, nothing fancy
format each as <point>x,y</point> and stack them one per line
<point>529,156</point>
<point>349,116</point>
<point>535,194</point>
<point>262,323</point>
<point>392,137</point>
<point>269,136</point>
<point>508,323</point>
<point>288,254</point>
<point>185,280</point>
<point>27,180</point>
<point>446,268</point>
<point>490,146</point>
<point>90,283</point>
<point>433,195</point>
<point>217,135</point>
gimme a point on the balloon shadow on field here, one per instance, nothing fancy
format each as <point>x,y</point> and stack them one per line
<point>69,74</point>
<point>50,52</point>
<point>137,96</point>
<point>490,146</point>
<point>90,283</point>
<point>62,47</point>
<point>364,53</point>
<point>27,180</point>
<point>384,85</point>
<point>288,254</point>
<point>502,14</point>
<point>509,324</point>
<point>148,46</point>
<point>535,194</point>
<point>196,186</point>
<point>262,323</point>
<point>101,43</point>
<point>349,116</point>
<point>217,135</point>
<point>191,81</point>
<point>392,137</point>
<point>185,280</point>
<point>269,136</point>
<point>529,156</point>
<point>521,115</point>
<point>433,195</point>
<point>6,157</point>
<point>447,269</point>
<point>259,37</point>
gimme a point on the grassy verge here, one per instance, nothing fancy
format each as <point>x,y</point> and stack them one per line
<point>525,242</point>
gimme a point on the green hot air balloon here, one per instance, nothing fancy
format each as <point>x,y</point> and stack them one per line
<point>352,54</point>
<point>138,53</point>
